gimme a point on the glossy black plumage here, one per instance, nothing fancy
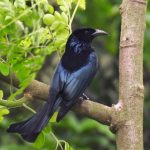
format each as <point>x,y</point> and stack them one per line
<point>73,74</point>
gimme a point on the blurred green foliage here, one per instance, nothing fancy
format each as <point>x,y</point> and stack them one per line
<point>30,31</point>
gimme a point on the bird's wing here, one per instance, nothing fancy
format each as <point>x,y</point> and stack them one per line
<point>56,86</point>
<point>76,84</point>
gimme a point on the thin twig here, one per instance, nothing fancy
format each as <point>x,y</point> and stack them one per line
<point>29,108</point>
<point>73,14</point>
<point>57,140</point>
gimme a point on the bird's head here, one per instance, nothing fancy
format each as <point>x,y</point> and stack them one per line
<point>81,39</point>
<point>87,34</point>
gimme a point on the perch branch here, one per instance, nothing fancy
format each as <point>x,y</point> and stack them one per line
<point>39,91</point>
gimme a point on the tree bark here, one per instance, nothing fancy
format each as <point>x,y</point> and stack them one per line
<point>129,135</point>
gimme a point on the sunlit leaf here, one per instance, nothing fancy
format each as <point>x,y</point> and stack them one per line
<point>1,94</point>
<point>20,4</point>
<point>67,146</point>
<point>48,19</point>
<point>19,25</point>
<point>82,3</point>
<point>4,111</point>
<point>50,9</point>
<point>4,69</point>
<point>63,8</point>
<point>40,140</point>
<point>47,129</point>
<point>60,2</point>
<point>57,15</point>
<point>53,119</point>
<point>64,17</point>
<point>55,25</point>
<point>1,118</point>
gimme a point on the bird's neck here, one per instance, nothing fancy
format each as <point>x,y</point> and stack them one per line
<point>77,46</point>
<point>76,54</point>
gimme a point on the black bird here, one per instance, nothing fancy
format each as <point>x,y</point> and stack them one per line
<point>73,74</point>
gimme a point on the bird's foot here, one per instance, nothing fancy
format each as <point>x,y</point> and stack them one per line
<point>84,97</point>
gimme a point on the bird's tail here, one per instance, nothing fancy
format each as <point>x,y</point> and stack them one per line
<point>31,128</point>
<point>63,111</point>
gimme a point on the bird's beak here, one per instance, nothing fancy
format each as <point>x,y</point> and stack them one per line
<point>99,32</point>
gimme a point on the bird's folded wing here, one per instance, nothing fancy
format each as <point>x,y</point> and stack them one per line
<point>78,81</point>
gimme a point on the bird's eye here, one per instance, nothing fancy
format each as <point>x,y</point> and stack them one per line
<point>86,32</point>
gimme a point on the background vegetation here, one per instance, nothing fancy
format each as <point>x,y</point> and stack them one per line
<point>32,39</point>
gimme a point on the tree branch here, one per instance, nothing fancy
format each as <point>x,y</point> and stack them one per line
<point>39,91</point>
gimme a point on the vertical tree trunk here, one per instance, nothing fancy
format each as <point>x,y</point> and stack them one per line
<point>130,132</point>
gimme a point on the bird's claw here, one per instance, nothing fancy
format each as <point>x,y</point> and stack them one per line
<point>84,97</point>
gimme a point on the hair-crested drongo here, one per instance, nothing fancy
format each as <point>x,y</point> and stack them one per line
<point>73,74</point>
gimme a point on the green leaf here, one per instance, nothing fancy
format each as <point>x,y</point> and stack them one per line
<point>82,4</point>
<point>6,7</point>
<point>63,8</point>
<point>57,15</point>
<point>62,33</point>
<point>4,111</point>
<point>55,25</point>
<point>4,69</point>
<point>1,94</point>
<point>19,25</point>
<point>8,18</point>
<point>53,119</point>
<point>20,4</point>
<point>60,2</point>
<point>47,129</point>
<point>40,140</point>
<point>50,9</point>
<point>48,19</point>
<point>64,17</point>
<point>1,118</point>
<point>67,146</point>
<point>26,42</point>
<point>50,48</point>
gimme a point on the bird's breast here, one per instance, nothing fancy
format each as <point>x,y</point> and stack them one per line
<point>74,62</point>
